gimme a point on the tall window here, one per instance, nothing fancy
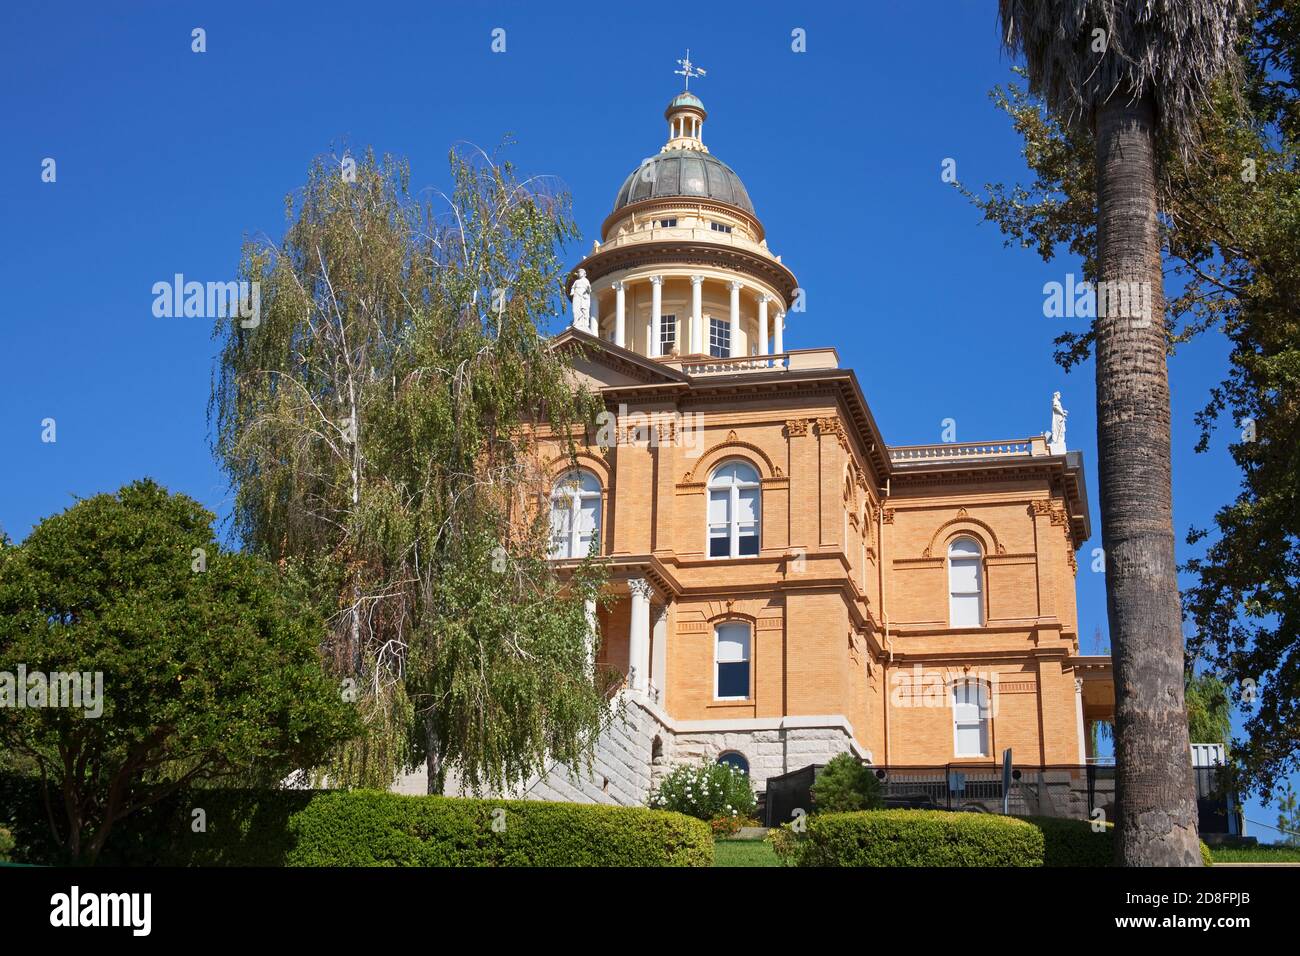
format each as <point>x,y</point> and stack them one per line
<point>965,584</point>
<point>733,511</point>
<point>719,338</point>
<point>575,514</point>
<point>667,334</point>
<point>732,656</point>
<point>970,719</point>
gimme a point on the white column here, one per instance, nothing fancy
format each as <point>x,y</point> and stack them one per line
<point>638,656</point>
<point>620,315</point>
<point>780,327</point>
<point>595,314</point>
<point>735,319</point>
<point>1078,702</point>
<point>762,323</point>
<point>656,314</point>
<point>593,637</point>
<point>697,304</point>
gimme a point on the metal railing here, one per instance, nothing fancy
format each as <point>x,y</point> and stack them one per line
<point>1068,790</point>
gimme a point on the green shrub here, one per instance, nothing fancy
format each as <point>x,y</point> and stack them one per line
<point>845,784</point>
<point>265,827</point>
<point>706,791</point>
<point>911,838</point>
<point>6,845</point>
<point>1069,842</point>
<point>374,828</point>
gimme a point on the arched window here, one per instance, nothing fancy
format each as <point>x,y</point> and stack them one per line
<point>965,584</point>
<point>733,511</point>
<point>575,514</point>
<point>735,761</point>
<point>731,654</point>
<point>970,719</point>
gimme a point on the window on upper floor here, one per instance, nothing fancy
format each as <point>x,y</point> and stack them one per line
<point>575,514</point>
<point>719,338</point>
<point>731,661</point>
<point>667,223</point>
<point>965,583</point>
<point>719,227</point>
<point>970,719</point>
<point>667,334</point>
<point>734,511</point>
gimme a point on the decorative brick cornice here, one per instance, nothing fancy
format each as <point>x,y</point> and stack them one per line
<point>887,516</point>
<point>796,428</point>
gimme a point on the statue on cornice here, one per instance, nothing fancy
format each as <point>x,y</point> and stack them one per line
<point>580,293</point>
<point>1056,437</point>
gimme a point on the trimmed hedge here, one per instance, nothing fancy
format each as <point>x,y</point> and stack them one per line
<point>242,827</point>
<point>365,828</point>
<point>375,828</point>
<point>940,838</point>
<point>912,838</point>
<point>1069,842</point>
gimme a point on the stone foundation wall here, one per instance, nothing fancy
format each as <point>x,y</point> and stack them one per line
<point>639,747</point>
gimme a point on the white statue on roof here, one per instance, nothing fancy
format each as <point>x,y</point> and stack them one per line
<point>580,293</point>
<point>1056,437</point>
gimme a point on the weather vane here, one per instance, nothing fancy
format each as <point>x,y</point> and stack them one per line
<point>688,69</point>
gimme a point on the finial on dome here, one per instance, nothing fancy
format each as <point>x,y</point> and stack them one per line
<point>688,69</point>
<point>686,113</point>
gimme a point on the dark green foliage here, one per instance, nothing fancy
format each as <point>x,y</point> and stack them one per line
<point>206,674</point>
<point>911,838</point>
<point>368,828</point>
<point>1069,842</point>
<point>242,827</point>
<point>371,828</point>
<point>846,784</point>
<point>1209,711</point>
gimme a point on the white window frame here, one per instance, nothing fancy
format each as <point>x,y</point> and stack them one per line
<point>978,558</point>
<point>733,509</point>
<point>719,338</point>
<point>568,487</point>
<point>748,660</point>
<point>667,323</point>
<point>982,722</point>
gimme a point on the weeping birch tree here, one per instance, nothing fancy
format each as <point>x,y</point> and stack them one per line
<point>377,420</point>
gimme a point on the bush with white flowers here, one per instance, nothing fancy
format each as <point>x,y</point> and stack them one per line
<point>707,791</point>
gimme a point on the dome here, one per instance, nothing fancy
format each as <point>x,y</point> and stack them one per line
<point>683,172</point>
<point>686,99</point>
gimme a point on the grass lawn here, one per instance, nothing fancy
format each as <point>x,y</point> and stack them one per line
<point>1256,854</point>
<point>744,853</point>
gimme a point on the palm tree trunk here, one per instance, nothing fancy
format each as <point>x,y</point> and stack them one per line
<point>1154,787</point>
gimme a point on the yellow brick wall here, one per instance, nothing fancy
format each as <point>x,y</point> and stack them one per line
<point>820,645</point>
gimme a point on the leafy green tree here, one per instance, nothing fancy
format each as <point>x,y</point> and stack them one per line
<point>1288,816</point>
<point>1230,226</point>
<point>207,660</point>
<point>1134,76</point>
<point>381,425</point>
<point>1209,710</point>
<point>846,784</point>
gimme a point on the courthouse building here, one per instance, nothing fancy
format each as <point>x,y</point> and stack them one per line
<point>787,584</point>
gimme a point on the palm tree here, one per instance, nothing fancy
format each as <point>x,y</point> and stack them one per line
<point>1136,73</point>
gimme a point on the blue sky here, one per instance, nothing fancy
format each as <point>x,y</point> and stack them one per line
<point>167,158</point>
